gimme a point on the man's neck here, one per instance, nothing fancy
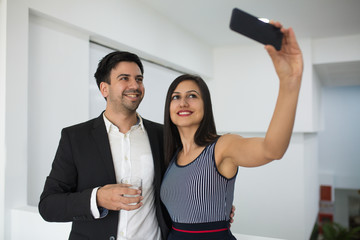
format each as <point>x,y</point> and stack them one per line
<point>122,121</point>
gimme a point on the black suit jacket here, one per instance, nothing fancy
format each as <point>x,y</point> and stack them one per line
<point>82,162</point>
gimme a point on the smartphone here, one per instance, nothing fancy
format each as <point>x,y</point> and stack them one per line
<point>250,26</point>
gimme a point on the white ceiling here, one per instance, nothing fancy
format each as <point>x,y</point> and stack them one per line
<point>209,20</point>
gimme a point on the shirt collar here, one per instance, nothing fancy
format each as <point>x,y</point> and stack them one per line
<point>138,124</point>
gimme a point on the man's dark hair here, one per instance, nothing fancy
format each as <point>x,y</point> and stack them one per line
<point>110,61</point>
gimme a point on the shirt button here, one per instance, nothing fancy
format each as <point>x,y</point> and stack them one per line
<point>112,238</point>
<point>126,158</point>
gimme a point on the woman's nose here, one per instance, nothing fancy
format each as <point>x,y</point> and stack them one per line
<point>183,102</point>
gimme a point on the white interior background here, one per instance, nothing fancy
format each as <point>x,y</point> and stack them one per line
<point>45,85</point>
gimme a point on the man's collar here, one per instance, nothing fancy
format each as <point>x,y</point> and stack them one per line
<point>138,124</point>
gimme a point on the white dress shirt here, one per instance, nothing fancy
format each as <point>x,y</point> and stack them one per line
<point>132,156</point>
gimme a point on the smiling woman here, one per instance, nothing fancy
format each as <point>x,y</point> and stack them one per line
<point>186,107</point>
<point>207,163</point>
<point>178,95</point>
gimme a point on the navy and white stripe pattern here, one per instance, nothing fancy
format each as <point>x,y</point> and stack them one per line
<point>197,192</point>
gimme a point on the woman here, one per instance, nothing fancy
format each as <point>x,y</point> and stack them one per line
<point>198,186</point>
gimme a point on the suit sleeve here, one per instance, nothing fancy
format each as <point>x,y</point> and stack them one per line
<point>61,200</point>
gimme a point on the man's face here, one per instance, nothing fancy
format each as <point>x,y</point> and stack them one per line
<point>126,89</point>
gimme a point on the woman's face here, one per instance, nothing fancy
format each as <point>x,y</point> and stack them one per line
<point>187,106</point>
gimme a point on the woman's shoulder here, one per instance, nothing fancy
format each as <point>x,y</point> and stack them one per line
<point>225,146</point>
<point>229,137</point>
<point>227,141</point>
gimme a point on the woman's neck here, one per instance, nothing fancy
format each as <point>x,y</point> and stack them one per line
<point>187,136</point>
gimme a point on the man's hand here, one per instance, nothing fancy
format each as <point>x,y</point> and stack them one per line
<point>112,197</point>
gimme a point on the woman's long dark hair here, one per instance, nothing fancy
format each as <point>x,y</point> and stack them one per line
<point>205,134</point>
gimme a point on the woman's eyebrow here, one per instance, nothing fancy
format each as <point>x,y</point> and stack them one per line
<point>190,91</point>
<point>193,91</point>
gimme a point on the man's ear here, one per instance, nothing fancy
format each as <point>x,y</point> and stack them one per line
<point>104,89</point>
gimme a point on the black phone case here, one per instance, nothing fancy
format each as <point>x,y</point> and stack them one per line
<point>250,26</point>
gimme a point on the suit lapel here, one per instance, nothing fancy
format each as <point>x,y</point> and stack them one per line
<point>102,141</point>
<point>155,139</point>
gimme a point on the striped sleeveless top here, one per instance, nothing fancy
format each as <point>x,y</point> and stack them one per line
<point>197,192</point>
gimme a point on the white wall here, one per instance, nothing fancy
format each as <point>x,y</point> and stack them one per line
<point>269,200</point>
<point>58,94</point>
<point>337,49</point>
<point>311,182</point>
<point>243,99</point>
<point>2,112</point>
<point>131,25</point>
<point>38,229</point>
<point>244,76</point>
<point>280,200</point>
<point>16,70</point>
<point>339,140</point>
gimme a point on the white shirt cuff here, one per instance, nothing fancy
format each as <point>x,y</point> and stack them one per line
<point>93,205</point>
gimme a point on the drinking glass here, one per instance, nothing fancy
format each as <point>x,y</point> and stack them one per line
<point>134,183</point>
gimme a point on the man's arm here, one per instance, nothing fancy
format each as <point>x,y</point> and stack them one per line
<point>60,200</point>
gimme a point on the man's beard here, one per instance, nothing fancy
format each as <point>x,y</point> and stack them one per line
<point>127,104</point>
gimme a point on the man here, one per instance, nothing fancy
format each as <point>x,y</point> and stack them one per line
<point>98,153</point>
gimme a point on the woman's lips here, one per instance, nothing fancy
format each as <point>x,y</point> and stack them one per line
<point>184,113</point>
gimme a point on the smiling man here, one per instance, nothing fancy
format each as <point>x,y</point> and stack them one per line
<point>84,183</point>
